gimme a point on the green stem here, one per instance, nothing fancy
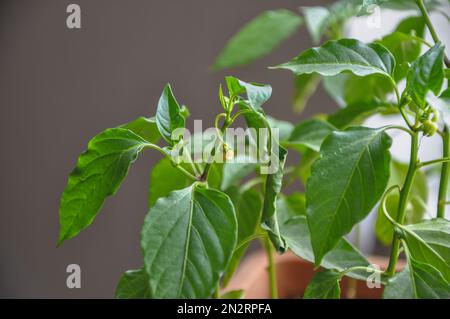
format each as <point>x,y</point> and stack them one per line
<point>270,251</point>
<point>436,161</point>
<point>404,193</point>
<point>216,294</point>
<point>445,170</point>
<point>425,15</point>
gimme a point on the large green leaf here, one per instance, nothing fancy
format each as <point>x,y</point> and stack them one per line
<point>133,285</point>
<point>258,38</point>
<point>97,175</point>
<point>164,179</point>
<point>415,208</point>
<point>427,281</point>
<point>248,211</point>
<point>436,233</point>
<point>269,213</point>
<point>310,134</point>
<point>187,240</point>
<point>422,252</point>
<point>257,94</point>
<point>341,257</point>
<point>345,184</point>
<point>324,285</point>
<point>399,286</point>
<point>145,128</point>
<point>426,74</point>
<point>169,115</point>
<point>342,55</point>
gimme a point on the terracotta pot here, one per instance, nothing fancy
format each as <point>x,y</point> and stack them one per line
<point>293,275</point>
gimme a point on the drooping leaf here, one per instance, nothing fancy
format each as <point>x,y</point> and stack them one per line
<point>399,286</point>
<point>324,285</point>
<point>304,87</point>
<point>169,116</point>
<point>133,285</point>
<point>436,233</point>
<point>342,55</point>
<point>310,134</point>
<point>258,38</point>
<point>351,176</point>
<point>248,211</point>
<point>257,94</point>
<point>316,20</point>
<point>426,74</point>
<point>427,281</point>
<point>187,240</point>
<point>269,213</point>
<point>97,175</point>
<point>341,257</point>
<point>415,208</point>
<point>164,179</point>
<point>145,128</point>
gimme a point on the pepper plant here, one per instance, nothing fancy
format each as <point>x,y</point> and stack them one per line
<point>205,210</point>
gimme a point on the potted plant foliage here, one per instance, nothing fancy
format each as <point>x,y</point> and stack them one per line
<point>211,196</point>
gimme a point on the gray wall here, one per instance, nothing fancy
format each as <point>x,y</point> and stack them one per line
<point>59,87</point>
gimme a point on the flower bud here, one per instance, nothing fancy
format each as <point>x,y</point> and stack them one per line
<point>429,128</point>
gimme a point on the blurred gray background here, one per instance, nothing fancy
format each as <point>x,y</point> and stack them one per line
<point>60,87</point>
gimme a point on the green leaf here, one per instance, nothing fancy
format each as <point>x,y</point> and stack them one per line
<point>367,6</point>
<point>97,175</point>
<point>169,116</point>
<point>258,38</point>
<point>284,127</point>
<point>145,128</point>
<point>164,179</point>
<point>426,74</point>
<point>187,240</point>
<point>427,281</point>
<point>351,175</point>
<point>310,134</point>
<point>405,49</point>
<point>436,233</point>
<point>289,206</point>
<point>399,286</point>
<point>324,285</point>
<point>342,55</point>
<point>341,257</point>
<point>316,20</point>
<point>257,94</point>
<point>422,252</point>
<point>248,211</point>
<point>304,86</point>
<point>235,171</point>
<point>133,285</point>
<point>415,208</point>
<point>269,212</point>
<point>356,113</point>
<point>233,294</point>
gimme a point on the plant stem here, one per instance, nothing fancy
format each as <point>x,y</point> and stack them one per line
<point>270,251</point>
<point>225,125</point>
<point>404,193</point>
<point>443,185</point>
<point>216,294</point>
<point>425,15</point>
